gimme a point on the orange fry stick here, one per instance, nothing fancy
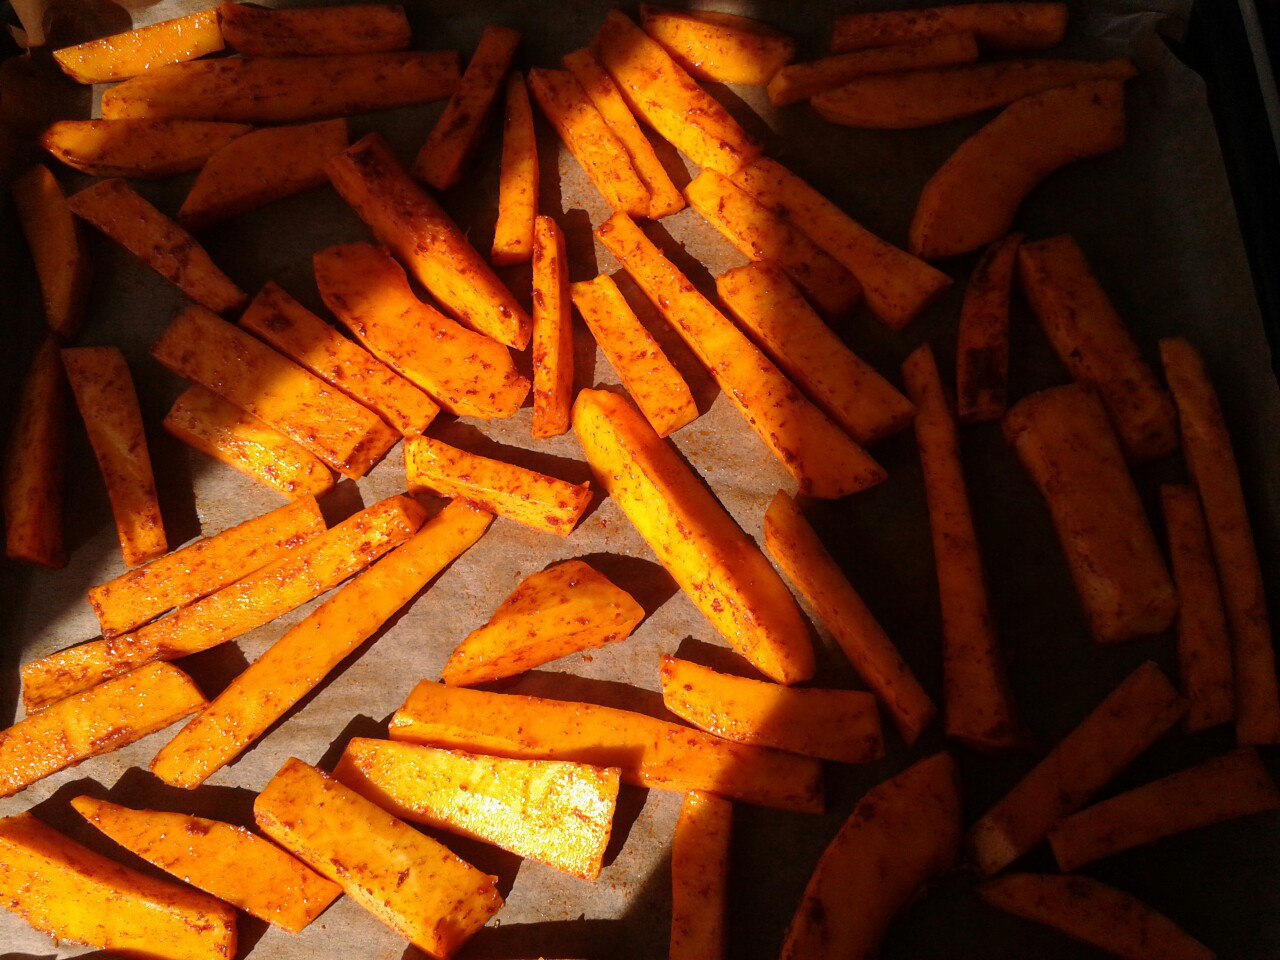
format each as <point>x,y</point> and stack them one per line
<point>135,52</point>
<point>719,47</point>
<point>700,878</point>
<point>552,332</point>
<point>982,347</point>
<point>998,26</point>
<point>518,181</point>
<point>57,247</point>
<point>139,148</point>
<point>35,464</point>
<point>362,28</point>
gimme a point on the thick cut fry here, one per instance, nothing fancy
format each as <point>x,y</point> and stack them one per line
<point>659,91</point>
<point>469,374</point>
<point>1133,716</point>
<point>35,464</point>
<point>1093,913</point>
<point>57,248</point>
<point>1206,446</point>
<point>840,725</point>
<point>143,50</point>
<point>972,199</point>
<point>823,459</point>
<point>923,98</point>
<point>982,347</point>
<point>518,180</point>
<point>226,861</point>
<point>1204,640</point>
<point>719,47</point>
<point>998,26</point>
<point>260,167</point>
<point>561,610</point>
<point>649,376</point>
<point>433,899</point>
<point>103,390</point>
<point>896,285</point>
<point>225,432</point>
<point>139,148</point>
<point>557,813</point>
<point>977,703</point>
<point>299,334</point>
<point>186,575</point>
<point>78,896</point>
<point>285,89</point>
<point>552,332</point>
<point>760,233</point>
<point>1068,449</point>
<point>719,568</point>
<point>800,81</point>
<point>664,197</point>
<point>902,834</point>
<point>763,301</point>
<point>525,496</point>
<point>802,557</point>
<point>454,138</point>
<point>309,652</point>
<point>415,229</point>
<point>296,578</point>
<point>246,372</point>
<point>366,28</point>
<point>700,878</point>
<point>108,717</point>
<point>587,136</point>
<point>648,752</point>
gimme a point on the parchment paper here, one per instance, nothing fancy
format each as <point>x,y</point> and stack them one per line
<point>1157,224</point>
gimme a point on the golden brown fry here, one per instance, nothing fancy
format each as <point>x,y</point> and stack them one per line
<point>552,332</point>
<point>700,878</point>
<point>138,148</point>
<point>998,26</point>
<point>57,247</point>
<point>35,464</point>
<point>982,347</point>
<point>518,182</point>
<point>362,28</point>
<point>720,47</point>
<point>135,52</point>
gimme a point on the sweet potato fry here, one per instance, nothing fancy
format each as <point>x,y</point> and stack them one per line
<point>108,717</point>
<point>648,752</point>
<point>138,148</point>
<point>1128,721</point>
<point>839,725</point>
<point>902,834</point>
<point>998,26</point>
<point>366,28</point>
<point>309,652</point>
<point>896,285</point>
<point>525,496</point>
<point>285,89</point>
<point>1093,913</point>
<point>1068,449</point>
<point>103,390</point>
<point>226,861</point>
<point>454,138</point>
<point>800,81</point>
<point>798,551</point>
<point>972,199</point>
<point>977,703</point>
<point>1204,640</point>
<point>415,228</point>
<point>763,301</point>
<point>720,47</point>
<point>719,568</point>
<point>286,584</point>
<point>1206,446</point>
<point>144,50</point>
<point>922,98</point>
<point>186,575</point>
<point>586,135</point>
<point>552,332</point>
<point>57,248</point>
<point>649,376</point>
<point>35,464</point>
<point>700,878</point>
<point>217,355</point>
<point>982,347</point>
<point>518,181</point>
<point>557,813</point>
<point>664,197</point>
<point>73,894</point>
<point>225,432</point>
<point>299,334</point>
<point>759,233</point>
<point>561,610</point>
<point>825,461</point>
<point>659,91</point>
<point>260,167</point>
<point>432,898</point>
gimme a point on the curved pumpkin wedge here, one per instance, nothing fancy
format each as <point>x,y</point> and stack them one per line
<point>362,28</point>
<point>139,51</point>
<point>57,246</point>
<point>140,148</point>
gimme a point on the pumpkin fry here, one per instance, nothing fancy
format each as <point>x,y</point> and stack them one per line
<point>139,148</point>
<point>998,26</point>
<point>140,51</point>
<point>57,247</point>
<point>552,332</point>
<point>518,181</point>
<point>982,343</point>
<point>700,878</point>
<point>363,28</point>
<point>35,464</point>
<point>719,47</point>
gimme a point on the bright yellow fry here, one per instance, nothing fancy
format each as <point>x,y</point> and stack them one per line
<point>57,248</point>
<point>700,878</point>
<point>720,47</point>
<point>310,31</point>
<point>135,52</point>
<point>138,148</point>
<point>552,332</point>
<point>518,181</point>
<point>35,463</point>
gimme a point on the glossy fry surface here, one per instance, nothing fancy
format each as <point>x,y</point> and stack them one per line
<point>134,52</point>
<point>137,148</point>
<point>552,332</point>
<point>57,246</point>
<point>518,180</point>
<point>719,47</point>
<point>700,878</point>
